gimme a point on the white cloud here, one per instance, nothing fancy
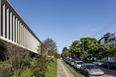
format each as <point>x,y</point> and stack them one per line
<point>59,51</point>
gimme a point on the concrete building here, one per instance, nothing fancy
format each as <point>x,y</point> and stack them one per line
<point>108,39</point>
<point>111,40</point>
<point>14,30</point>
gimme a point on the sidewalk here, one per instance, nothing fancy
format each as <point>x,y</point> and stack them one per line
<point>62,70</point>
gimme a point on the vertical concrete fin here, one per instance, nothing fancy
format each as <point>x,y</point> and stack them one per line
<point>7,23</point>
<point>3,20</point>
<point>0,17</point>
<point>11,26</point>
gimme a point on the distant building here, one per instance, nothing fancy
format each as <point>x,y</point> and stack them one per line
<point>111,40</point>
<point>108,39</point>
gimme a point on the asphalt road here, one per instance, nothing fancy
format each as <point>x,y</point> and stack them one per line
<point>62,70</point>
<point>109,72</point>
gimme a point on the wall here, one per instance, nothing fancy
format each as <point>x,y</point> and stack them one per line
<point>13,29</point>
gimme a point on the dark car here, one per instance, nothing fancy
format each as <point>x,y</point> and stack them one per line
<point>84,60</point>
<point>109,65</point>
<point>113,66</point>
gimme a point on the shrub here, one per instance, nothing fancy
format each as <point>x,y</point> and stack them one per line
<point>5,69</point>
<point>40,66</point>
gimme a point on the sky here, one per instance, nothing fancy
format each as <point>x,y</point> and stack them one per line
<point>65,21</point>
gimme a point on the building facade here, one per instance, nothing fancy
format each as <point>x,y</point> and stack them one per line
<point>112,40</point>
<point>109,39</point>
<point>14,30</point>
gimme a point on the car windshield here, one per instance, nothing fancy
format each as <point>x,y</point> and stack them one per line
<point>79,62</point>
<point>101,61</point>
<point>91,67</point>
<point>72,60</point>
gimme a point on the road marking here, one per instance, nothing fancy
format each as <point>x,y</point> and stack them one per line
<point>64,69</point>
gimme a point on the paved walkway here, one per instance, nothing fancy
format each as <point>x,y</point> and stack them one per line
<point>63,70</point>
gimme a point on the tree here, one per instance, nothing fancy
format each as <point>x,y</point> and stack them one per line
<point>50,45</point>
<point>65,52</point>
<point>17,57</point>
<point>65,48</point>
<point>42,50</point>
<point>87,42</point>
<point>107,34</point>
<point>110,52</point>
<point>75,48</point>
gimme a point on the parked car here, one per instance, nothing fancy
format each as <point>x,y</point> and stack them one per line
<point>98,62</point>
<point>64,58</point>
<point>113,65</point>
<point>84,60</point>
<point>67,60</point>
<point>72,61</point>
<point>91,70</point>
<point>109,65</point>
<point>77,64</point>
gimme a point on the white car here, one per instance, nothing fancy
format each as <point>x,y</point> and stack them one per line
<point>98,62</point>
<point>77,64</point>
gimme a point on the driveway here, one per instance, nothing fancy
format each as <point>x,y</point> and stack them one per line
<point>109,72</point>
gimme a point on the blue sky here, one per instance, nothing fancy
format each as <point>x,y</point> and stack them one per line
<point>67,20</point>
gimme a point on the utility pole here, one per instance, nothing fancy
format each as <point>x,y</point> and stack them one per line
<point>83,49</point>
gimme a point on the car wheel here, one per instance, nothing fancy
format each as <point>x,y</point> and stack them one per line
<point>80,71</point>
<point>102,66</point>
<point>87,75</point>
<point>109,67</point>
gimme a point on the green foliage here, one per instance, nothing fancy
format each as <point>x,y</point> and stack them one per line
<point>98,51</point>
<point>65,48</point>
<point>65,52</point>
<point>27,73</point>
<point>111,52</point>
<point>4,72</point>
<point>75,48</point>
<point>40,66</point>
<point>5,69</point>
<point>91,48</point>
<point>87,42</point>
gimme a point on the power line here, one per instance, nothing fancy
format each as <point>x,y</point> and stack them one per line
<point>110,24</point>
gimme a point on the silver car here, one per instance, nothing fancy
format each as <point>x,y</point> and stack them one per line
<point>98,62</point>
<point>91,70</point>
<point>77,64</point>
<point>72,62</point>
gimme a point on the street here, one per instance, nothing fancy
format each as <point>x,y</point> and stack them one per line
<point>109,72</point>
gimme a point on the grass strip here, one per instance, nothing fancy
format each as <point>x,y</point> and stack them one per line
<point>75,73</point>
<point>52,69</point>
